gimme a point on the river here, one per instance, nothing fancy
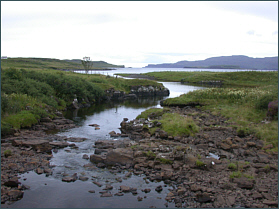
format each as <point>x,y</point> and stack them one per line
<point>51,192</point>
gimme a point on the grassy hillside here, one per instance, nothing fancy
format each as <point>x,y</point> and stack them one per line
<point>48,63</point>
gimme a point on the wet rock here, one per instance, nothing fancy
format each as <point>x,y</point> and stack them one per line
<point>86,157</point>
<point>106,194</point>
<point>146,190</point>
<point>159,188</point>
<point>91,191</point>
<point>13,182</point>
<point>125,188</point>
<point>108,187</point>
<point>101,165</point>
<point>83,178</point>
<point>70,178</point>
<point>119,155</point>
<point>118,194</point>
<point>15,194</point>
<point>139,198</point>
<point>97,183</point>
<point>39,171</point>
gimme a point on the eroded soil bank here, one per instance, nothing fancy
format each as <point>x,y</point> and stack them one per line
<point>214,168</point>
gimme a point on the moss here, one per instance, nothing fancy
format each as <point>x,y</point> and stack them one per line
<point>200,163</point>
<point>165,161</point>
<point>232,166</point>
<point>7,153</point>
<point>149,154</point>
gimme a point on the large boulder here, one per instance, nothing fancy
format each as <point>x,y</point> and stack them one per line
<point>119,155</point>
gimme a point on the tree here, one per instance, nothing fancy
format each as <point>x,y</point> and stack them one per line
<point>87,64</point>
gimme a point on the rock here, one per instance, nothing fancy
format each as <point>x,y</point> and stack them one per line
<point>230,200</point>
<point>140,198</point>
<point>244,183</point>
<point>70,178</point>
<point>97,158</point>
<point>119,155</point>
<point>97,183</point>
<point>83,178</point>
<point>13,182</point>
<point>15,194</point>
<point>125,188</point>
<point>94,125</point>
<point>91,191</point>
<point>85,157</point>
<point>159,188</point>
<point>270,203</point>
<point>106,194</point>
<point>47,119</point>
<point>225,146</point>
<point>101,165</point>
<point>118,194</point>
<point>203,197</point>
<point>108,187</point>
<point>39,171</point>
<point>219,202</point>
<point>146,190</point>
<point>39,145</point>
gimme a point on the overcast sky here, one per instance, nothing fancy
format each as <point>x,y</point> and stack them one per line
<point>137,33</point>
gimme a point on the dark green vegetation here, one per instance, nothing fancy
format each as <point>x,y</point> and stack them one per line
<point>247,99</point>
<point>225,62</point>
<point>28,95</point>
<point>56,64</point>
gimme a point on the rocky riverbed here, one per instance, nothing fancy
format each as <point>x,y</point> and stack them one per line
<point>214,168</point>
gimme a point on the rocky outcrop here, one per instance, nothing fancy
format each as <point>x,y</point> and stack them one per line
<point>136,92</point>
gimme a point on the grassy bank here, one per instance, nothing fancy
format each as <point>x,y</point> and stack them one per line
<point>248,101</point>
<point>242,78</point>
<point>28,95</point>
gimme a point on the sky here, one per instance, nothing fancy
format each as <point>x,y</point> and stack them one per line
<point>138,33</point>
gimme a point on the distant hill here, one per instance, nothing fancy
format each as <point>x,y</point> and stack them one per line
<point>48,63</point>
<point>225,62</point>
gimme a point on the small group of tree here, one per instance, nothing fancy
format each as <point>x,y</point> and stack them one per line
<point>87,64</point>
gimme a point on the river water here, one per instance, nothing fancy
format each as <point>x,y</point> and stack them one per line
<point>51,192</point>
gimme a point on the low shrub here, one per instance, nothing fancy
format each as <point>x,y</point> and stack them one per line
<point>273,110</point>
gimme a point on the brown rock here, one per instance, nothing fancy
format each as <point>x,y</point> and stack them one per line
<point>125,188</point>
<point>15,194</point>
<point>119,155</point>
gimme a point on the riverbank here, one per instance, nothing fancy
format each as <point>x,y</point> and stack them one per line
<point>215,167</point>
<point>28,95</point>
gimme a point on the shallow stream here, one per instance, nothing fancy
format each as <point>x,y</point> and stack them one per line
<point>51,192</point>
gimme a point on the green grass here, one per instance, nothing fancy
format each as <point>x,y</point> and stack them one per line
<point>152,112</point>
<point>232,166</point>
<point>172,123</point>
<point>244,78</point>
